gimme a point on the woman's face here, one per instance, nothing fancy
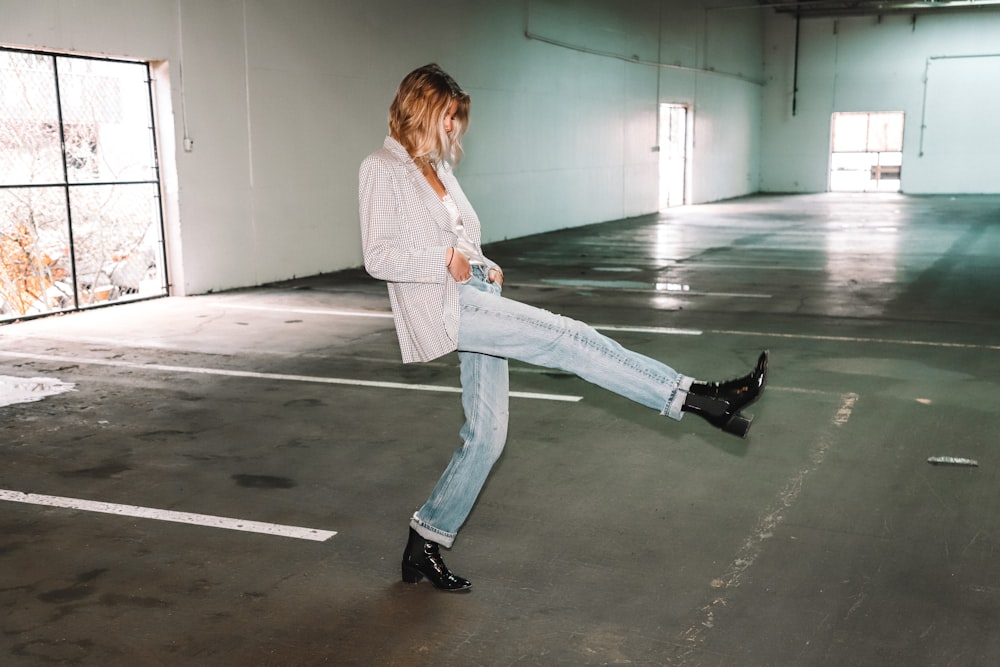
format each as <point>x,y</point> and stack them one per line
<point>449,117</point>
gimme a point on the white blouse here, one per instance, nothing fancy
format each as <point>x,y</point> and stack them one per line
<point>465,244</point>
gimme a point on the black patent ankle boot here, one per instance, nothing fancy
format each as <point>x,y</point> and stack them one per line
<point>719,403</point>
<point>422,558</point>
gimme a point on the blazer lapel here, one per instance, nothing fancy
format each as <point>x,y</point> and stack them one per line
<point>427,195</point>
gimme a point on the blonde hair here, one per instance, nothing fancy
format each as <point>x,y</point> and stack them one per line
<point>416,116</point>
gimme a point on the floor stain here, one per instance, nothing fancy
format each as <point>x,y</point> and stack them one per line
<point>77,591</point>
<point>105,471</point>
<point>304,403</point>
<point>163,435</point>
<point>263,481</point>
<point>115,599</point>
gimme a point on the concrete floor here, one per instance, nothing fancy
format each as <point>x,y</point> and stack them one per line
<point>606,535</point>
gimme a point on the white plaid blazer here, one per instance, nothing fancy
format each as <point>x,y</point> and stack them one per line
<point>405,235</point>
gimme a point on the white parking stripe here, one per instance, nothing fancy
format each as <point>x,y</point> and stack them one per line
<point>669,331</point>
<point>168,515</point>
<point>273,376</point>
<point>855,339</point>
<point>309,311</point>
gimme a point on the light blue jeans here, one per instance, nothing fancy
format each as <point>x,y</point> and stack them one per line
<point>493,329</point>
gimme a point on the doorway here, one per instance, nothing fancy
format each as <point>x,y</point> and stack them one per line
<point>673,142</point>
<point>866,153</point>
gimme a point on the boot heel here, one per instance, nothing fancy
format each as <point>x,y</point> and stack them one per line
<point>411,575</point>
<point>738,425</point>
<point>706,406</point>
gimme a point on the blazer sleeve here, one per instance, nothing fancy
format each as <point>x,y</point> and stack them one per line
<point>399,242</point>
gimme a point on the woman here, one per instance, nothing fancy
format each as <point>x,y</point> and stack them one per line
<point>421,235</point>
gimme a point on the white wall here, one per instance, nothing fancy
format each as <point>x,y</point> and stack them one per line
<point>283,98</point>
<point>951,139</point>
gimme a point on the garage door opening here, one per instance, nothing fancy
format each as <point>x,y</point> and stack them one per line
<point>673,155</point>
<point>866,152</point>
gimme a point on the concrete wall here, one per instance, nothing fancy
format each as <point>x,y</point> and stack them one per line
<point>942,71</point>
<point>281,100</point>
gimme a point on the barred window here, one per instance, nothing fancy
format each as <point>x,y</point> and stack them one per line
<point>81,219</point>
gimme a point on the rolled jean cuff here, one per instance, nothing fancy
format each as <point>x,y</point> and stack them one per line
<point>673,407</point>
<point>431,533</point>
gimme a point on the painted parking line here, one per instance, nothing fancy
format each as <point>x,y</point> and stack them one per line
<point>855,339</point>
<point>273,376</point>
<point>382,315</point>
<point>673,331</point>
<point>769,520</point>
<point>637,286</point>
<point>670,331</point>
<point>207,520</point>
<point>666,331</point>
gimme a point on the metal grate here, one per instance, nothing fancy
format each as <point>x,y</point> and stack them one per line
<point>81,221</point>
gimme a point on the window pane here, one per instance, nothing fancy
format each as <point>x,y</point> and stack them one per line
<point>885,132</point>
<point>29,120</point>
<point>107,121</point>
<point>35,268</point>
<point>116,239</point>
<point>850,132</point>
<point>890,159</point>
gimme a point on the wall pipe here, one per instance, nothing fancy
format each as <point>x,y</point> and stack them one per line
<point>927,72</point>
<point>529,34</point>
<point>795,70</point>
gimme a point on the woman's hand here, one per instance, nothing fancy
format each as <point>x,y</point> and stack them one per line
<point>495,274</point>
<point>458,266</point>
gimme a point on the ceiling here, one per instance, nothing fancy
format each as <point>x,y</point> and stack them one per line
<point>837,8</point>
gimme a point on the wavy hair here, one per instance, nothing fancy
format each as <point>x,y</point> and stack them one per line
<point>416,116</point>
